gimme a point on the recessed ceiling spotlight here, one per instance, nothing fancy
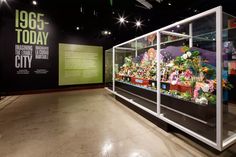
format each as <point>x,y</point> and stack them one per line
<point>169,3</point>
<point>138,23</point>
<point>121,19</point>
<point>106,32</point>
<point>4,1</point>
<point>34,2</point>
<point>77,28</point>
<point>178,26</point>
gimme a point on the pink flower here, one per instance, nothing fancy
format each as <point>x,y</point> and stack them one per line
<point>188,73</point>
<point>195,93</point>
<point>211,85</point>
<point>197,88</point>
<point>145,57</point>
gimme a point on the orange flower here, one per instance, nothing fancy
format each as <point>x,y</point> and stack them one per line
<point>205,69</point>
<point>184,49</point>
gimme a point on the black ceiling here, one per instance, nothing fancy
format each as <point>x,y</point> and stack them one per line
<point>98,15</point>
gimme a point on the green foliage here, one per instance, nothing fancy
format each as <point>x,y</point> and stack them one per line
<point>182,78</point>
<point>153,72</point>
<point>174,92</point>
<point>178,61</point>
<point>186,96</point>
<point>193,82</point>
<point>195,53</point>
<point>210,97</point>
<point>128,61</point>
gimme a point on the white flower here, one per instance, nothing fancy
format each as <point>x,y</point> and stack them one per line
<point>197,100</point>
<point>189,54</point>
<point>206,88</point>
<point>203,100</point>
<point>174,82</point>
<point>171,64</point>
<point>185,56</point>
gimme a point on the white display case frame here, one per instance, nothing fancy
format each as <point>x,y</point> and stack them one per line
<point>220,143</point>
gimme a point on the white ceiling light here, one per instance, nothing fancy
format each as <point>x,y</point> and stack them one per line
<point>145,3</point>
<point>3,1</point>
<point>77,28</point>
<point>178,26</point>
<point>169,3</point>
<point>34,2</point>
<point>138,23</point>
<point>121,19</point>
<point>106,33</point>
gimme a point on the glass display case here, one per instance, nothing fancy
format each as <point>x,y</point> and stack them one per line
<point>184,74</point>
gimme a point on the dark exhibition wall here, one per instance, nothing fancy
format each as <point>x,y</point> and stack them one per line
<point>21,67</point>
<point>29,58</point>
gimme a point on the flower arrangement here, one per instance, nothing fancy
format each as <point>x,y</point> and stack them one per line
<point>189,76</point>
<point>141,67</point>
<point>192,77</point>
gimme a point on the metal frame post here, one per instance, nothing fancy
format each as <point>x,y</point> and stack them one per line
<point>191,35</point>
<point>219,107</point>
<point>113,69</point>
<point>136,48</point>
<point>158,73</point>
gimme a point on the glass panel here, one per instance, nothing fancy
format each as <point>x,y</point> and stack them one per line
<point>229,77</point>
<point>108,69</point>
<point>188,93</point>
<point>136,72</point>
